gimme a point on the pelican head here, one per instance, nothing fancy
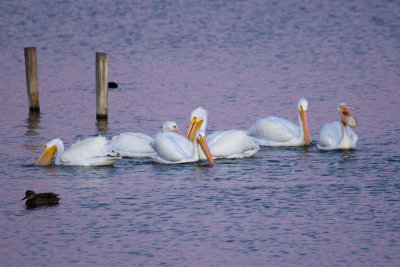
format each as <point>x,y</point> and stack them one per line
<point>49,150</point>
<point>170,126</point>
<point>303,104</point>
<point>342,106</point>
<point>198,121</point>
<point>303,107</point>
<point>346,116</point>
<point>201,140</point>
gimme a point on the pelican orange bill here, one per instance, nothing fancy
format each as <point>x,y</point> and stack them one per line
<point>193,127</point>
<point>47,156</point>
<point>204,146</point>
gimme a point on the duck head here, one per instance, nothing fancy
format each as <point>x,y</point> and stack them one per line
<point>29,194</point>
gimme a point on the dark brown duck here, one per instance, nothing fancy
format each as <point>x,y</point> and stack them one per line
<point>34,199</point>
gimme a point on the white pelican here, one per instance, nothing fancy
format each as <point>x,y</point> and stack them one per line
<point>138,145</point>
<point>174,148</point>
<point>338,135</point>
<point>93,151</point>
<point>273,131</point>
<point>223,144</point>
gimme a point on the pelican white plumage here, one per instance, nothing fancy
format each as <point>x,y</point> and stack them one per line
<point>93,151</point>
<point>138,145</point>
<point>273,131</point>
<point>172,148</point>
<point>338,134</point>
<point>223,144</point>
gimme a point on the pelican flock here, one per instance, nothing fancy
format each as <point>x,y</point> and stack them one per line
<point>169,147</point>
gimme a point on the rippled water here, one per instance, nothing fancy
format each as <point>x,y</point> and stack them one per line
<point>241,60</point>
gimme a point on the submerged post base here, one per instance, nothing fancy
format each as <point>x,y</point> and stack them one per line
<point>34,109</point>
<point>101,117</point>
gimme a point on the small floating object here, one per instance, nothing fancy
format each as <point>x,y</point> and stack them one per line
<point>34,199</point>
<point>112,85</point>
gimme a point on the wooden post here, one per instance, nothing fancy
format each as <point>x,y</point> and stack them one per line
<point>101,85</point>
<point>32,82</point>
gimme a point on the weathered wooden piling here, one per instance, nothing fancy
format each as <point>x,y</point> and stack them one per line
<point>32,81</point>
<point>101,86</point>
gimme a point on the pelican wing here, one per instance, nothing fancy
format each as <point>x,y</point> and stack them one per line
<point>184,144</point>
<point>87,150</point>
<point>274,129</point>
<point>352,135</point>
<point>170,147</point>
<point>132,144</point>
<point>330,136</point>
<point>231,144</point>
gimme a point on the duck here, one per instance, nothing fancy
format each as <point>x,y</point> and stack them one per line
<point>338,134</point>
<point>33,199</point>
<point>138,145</point>
<point>93,151</point>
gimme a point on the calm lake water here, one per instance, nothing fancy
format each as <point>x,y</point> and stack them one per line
<point>241,60</point>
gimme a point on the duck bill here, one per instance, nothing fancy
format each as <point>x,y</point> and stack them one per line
<point>203,144</point>
<point>193,127</point>
<point>24,198</point>
<point>304,120</point>
<point>46,158</point>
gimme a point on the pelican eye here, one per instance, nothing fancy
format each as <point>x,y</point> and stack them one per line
<point>45,148</point>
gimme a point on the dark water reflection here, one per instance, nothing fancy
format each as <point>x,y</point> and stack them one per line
<point>102,126</point>
<point>32,124</point>
<point>241,61</point>
<point>32,135</point>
